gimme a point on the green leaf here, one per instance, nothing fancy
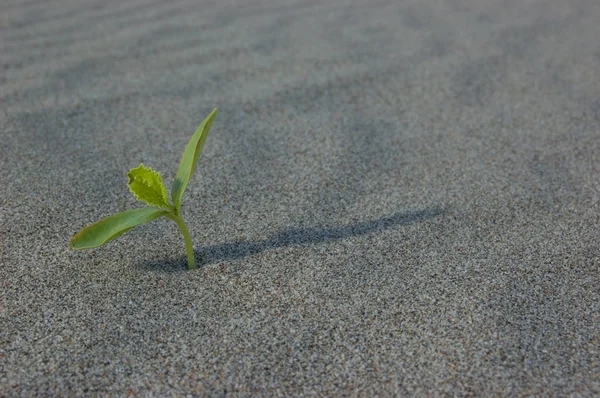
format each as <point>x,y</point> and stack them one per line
<point>147,186</point>
<point>109,228</point>
<point>189,159</point>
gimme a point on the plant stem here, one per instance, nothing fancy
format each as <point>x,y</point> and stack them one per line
<point>186,237</point>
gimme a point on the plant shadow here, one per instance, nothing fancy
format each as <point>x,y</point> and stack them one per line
<point>290,237</point>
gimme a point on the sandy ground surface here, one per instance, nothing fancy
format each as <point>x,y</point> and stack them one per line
<point>396,198</point>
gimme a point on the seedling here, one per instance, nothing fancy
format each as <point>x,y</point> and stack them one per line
<point>147,186</point>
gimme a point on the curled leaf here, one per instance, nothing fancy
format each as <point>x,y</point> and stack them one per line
<point>147,186</point>
<point>189,159</point>
<point>109,228</point>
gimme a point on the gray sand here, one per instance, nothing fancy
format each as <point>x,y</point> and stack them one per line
<point>397,198</point>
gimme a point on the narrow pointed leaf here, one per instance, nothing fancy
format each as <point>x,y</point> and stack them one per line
<point>189,159</point>
<point>109,228</point>
<point>147,186</point>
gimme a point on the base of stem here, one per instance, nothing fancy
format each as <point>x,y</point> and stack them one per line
<point>187,239</point>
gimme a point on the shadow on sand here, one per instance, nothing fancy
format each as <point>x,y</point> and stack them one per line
<point>290,237</point>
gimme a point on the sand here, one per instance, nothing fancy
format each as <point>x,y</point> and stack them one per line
<point>396,198</point>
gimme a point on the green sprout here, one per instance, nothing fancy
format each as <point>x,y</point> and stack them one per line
<point>147,186</point>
